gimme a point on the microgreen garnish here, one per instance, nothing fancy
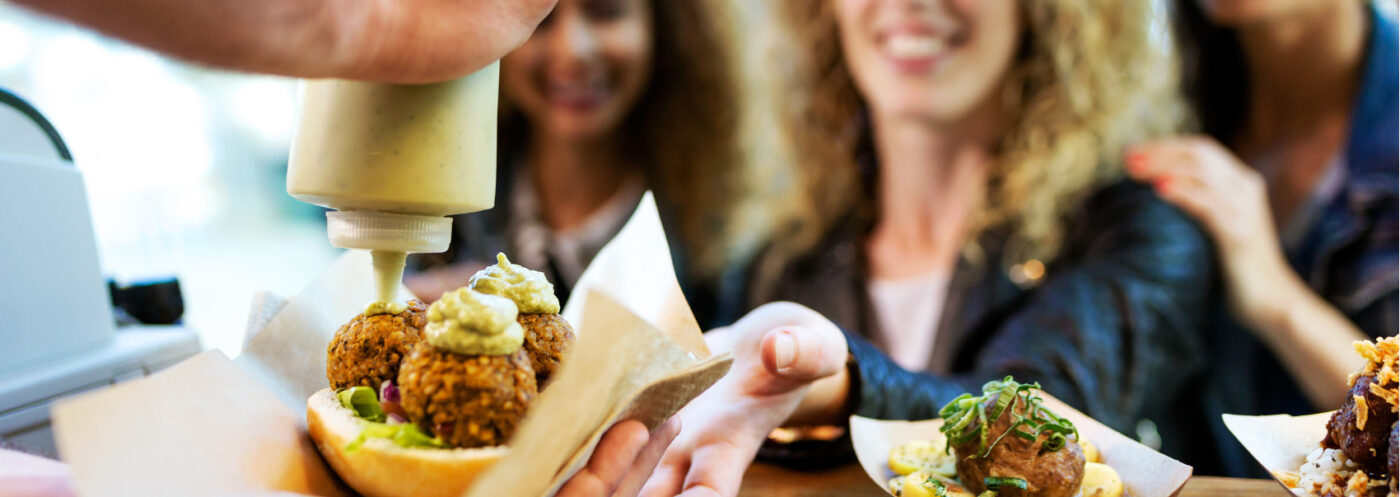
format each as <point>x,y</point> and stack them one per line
<point>996,483</point>
<point>967,417</point>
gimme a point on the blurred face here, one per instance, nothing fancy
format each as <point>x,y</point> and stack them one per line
<point>1240,12</point>
<point>932,60</point>
<point>583,69</point>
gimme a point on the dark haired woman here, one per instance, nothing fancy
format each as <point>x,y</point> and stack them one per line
<point>1296,183</point>
<point>608,99</point>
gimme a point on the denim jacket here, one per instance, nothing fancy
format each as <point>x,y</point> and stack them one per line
<point>1348,256</point>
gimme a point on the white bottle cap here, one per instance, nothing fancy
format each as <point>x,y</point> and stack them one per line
<point>374,230</point>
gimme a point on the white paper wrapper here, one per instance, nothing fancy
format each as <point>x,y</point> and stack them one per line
<point>1279,442</point>
<point>211,426</point>
<point>1145,472</point>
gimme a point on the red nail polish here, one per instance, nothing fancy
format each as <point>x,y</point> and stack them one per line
<point>1134,161</point>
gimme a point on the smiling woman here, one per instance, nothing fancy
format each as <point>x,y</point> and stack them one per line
<point>586,66</point>
<point>1069,90</point>
<point>963,216</point>
<point>607,99</point>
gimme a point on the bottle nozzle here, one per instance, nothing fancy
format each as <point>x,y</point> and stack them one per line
<point>390,238</point>
<point>375,230</point>
<point>388,272</point>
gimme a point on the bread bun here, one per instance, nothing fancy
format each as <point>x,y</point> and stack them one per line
<point>381,469</point>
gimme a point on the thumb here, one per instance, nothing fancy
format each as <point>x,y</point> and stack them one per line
<point>803,354</point>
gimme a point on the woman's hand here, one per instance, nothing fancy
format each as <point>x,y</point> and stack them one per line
<point>624,458</point>
<point>1230,200</point>
<point>24,475</point>
<point>783,353</point>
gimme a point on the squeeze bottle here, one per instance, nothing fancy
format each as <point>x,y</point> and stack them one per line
<point>393,161</point>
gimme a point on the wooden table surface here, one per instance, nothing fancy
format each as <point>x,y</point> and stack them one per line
<point>766,480</point>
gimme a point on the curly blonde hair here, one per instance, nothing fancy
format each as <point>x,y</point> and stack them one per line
<point>1091,77</point>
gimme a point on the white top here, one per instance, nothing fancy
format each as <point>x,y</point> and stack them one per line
<point>570,251</point>
<point>908,311</point>
<point>1295,229</point>
<point>574,248</point>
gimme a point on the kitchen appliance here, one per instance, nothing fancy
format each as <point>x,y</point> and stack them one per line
<point>57,333</point>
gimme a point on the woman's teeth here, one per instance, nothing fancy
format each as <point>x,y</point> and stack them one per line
<point>914,46</point>
<point>576,89</point>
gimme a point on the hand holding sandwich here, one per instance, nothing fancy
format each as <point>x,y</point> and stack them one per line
<point>789,367</point>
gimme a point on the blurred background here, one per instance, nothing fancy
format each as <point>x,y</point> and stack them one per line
<point>185,166</point>
<point>185,171</point>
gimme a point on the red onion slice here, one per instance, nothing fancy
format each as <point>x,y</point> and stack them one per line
<point>388,392</point>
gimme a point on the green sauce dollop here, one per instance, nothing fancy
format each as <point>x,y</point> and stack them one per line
<point>382,307</point>
<point>529,289</point>
<point>473,323</point>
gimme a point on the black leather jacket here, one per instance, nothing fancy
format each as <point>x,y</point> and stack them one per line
<point>1113,327</point>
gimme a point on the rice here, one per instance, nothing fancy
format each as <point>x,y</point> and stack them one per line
<point>1328,472</point>
<point>1324,467</point>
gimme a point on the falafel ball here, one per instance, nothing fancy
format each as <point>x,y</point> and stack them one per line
<point>1057,473</point>
<point>367,350</point>
<point>547,338</point>
<point>468,400</point>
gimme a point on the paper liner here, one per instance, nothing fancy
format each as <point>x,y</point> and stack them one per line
<point>635,269</point>
<point>200,427</point>
<point>1279,442</point>
<point>288,354</point>
<point>1145,472</point>
<point>560,431</point>
<point>211,426</point>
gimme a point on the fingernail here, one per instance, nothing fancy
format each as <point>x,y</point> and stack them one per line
<point>1161,184</point>
<point>1133,161</point>
<point>784,349</point>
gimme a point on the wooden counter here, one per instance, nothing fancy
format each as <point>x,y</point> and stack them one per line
<point>766,480</point>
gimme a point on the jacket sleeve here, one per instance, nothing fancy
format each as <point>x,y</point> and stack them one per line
<point>1369,298</point>
<point>1379,319</point>
<point>1111,331</point>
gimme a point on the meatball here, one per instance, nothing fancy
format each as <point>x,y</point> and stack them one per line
<point>1394,453</point>
<point>1368,446</point>
<point>470,401</point>
<point>1056,473</point>
<point>547,338</point>
<point>367,350</point>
